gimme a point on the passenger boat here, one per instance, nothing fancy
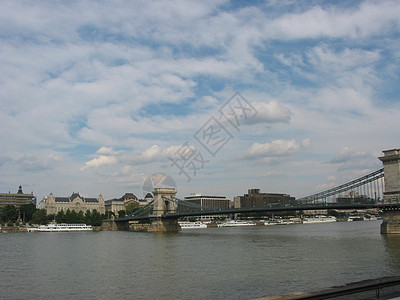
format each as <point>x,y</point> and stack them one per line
<point>319,219</point>
<point>61,228</point>
<point>189,225</point>
<point>234,223</point>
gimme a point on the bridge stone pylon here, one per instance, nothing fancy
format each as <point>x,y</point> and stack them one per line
<point>161,204</point>
<point>391,165</point>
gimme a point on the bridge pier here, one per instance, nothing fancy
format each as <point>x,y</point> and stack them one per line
<point>164,225</point>
<point>164,205</point>
<point>391,215</point>
<point>391,222</point>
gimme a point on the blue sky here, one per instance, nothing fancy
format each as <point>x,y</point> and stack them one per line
<point>96,96</point>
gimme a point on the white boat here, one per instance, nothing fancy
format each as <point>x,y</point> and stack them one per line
<point>189,225</point>
<point>319,219</point>
<point>61,228</point>
<point>356,218</point>
<point>234,223</point>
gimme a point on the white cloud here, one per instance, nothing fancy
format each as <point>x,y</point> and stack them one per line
<point>107,156</point>
<point>38,162</point>
<point>347,155</point>
<point>370,18</point>
<point>102,160</point>
<point>271,112</point>
<point>275,151</point>
<point>144,76</point>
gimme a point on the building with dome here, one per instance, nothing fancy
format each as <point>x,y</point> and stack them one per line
<point>75,202</point>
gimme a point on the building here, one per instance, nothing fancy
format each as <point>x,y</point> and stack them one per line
<point>17,199</point>
<point>355,198</point>
<point>147,199</point>
<point>256,199</point>
<point>75,202</point>
<point>212,202</point>
<point>117,204</point>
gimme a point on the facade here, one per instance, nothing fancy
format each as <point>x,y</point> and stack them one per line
<point>75,202</point>
<point>117,204</point>
<point>213,202</point>
<point>256,199</point>
<point>17,199</point>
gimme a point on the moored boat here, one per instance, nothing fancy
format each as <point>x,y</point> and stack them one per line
<point>319,219</point>
<point>190,225</point>
<point>234,223</point>
<point>61,228</point>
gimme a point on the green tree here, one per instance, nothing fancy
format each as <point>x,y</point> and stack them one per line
<point>131,207</point>
<point>9,213</point>
<point>27,211</point>
<point>73,217</point>
<point>121,213</point>
<point>51,217</point>
<point>40,217</point>
<point>60,217</point>
<point>81,217</point>
<point>108,214</point>
<point>68,216</point>
<point>96,219</point>
<point>88,217</point>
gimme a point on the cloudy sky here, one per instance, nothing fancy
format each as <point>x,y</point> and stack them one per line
<point>98,95</point>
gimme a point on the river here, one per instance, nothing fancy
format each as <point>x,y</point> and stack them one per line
<point>213,263</point>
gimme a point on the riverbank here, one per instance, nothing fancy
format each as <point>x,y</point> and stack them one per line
<point>6,229</point>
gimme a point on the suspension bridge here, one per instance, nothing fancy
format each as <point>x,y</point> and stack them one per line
<point>377,190</point>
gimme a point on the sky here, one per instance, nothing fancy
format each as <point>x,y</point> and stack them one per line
<point>222,96</point>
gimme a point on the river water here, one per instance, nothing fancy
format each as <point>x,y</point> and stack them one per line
<point>213,263</point>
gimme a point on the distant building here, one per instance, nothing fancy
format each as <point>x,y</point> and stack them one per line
<point>147,199</point>
<point>354,198</point>
<point>75,202</point>
<point>256,199</point>
<point>17,199</point>
<point>213,202</point>
<point>117,204</point>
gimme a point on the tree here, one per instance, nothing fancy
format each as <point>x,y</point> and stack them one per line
<point>9,213</point>
<point>40,217</point>
<point>96,219</point>
<point>108,214</point>
<point>68,216</point>
<point>27,211</point>
<point>131,207</point>
<point>121,213</point>
<point>80,217</point>
<point>51,217</point>
<point>60,217</point>
<point>88,217</point>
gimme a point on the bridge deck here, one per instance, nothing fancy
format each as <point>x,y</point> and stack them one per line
<point>383,206</point>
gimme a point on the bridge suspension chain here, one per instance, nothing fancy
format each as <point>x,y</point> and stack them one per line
<point>359,182</point>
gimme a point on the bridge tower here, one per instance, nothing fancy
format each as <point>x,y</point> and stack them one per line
<point>162,205</point>
<point>391,165</point>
